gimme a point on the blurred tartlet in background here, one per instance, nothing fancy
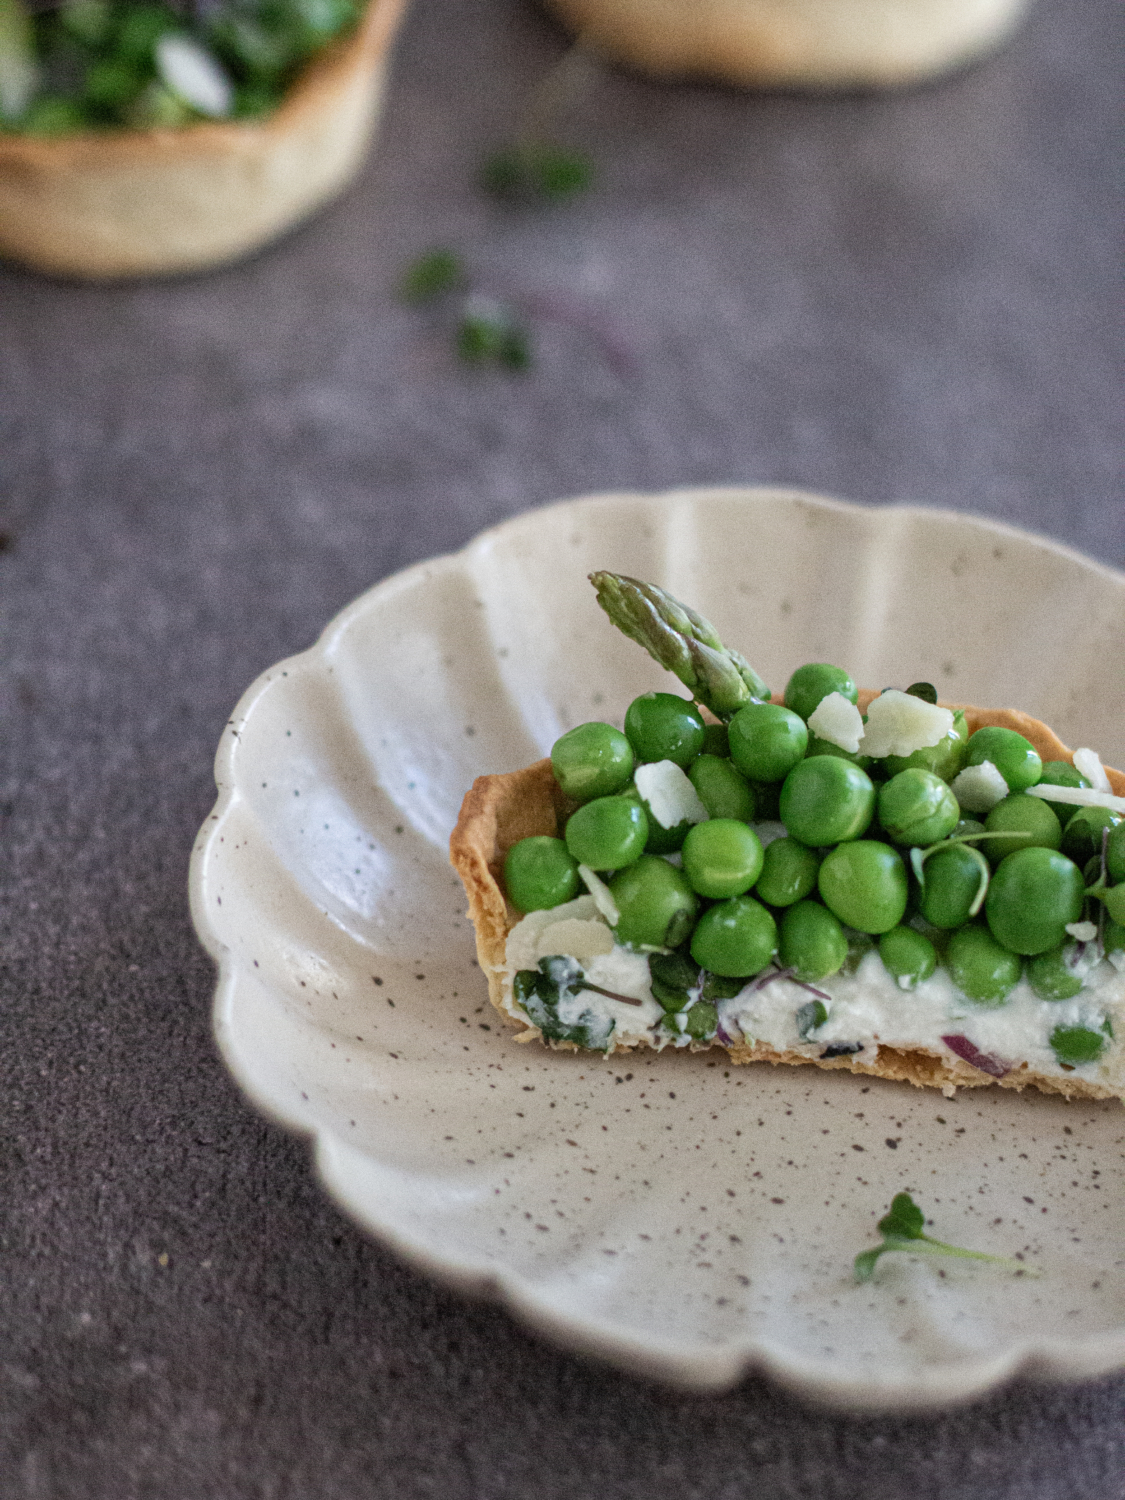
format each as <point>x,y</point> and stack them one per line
<point>142,139</point>
<point>818,44</point>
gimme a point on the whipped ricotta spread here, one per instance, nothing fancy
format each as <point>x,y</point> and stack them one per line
<point>866,1007</point>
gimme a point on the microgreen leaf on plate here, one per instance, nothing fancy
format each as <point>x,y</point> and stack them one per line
<point>904,1229</point>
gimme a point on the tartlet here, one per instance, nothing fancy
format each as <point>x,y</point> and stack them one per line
<point>100,205</point>
<point>498,811</point>
<point>819,44</point>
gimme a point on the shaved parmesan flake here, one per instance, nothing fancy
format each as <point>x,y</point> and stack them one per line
<point>668,794</point>
<point>1078,796</point>
<point>838,721</point>
<point>898,724</point>
<point>979,788</point>
<point>1084,932</point>
<point>1088,763</point>
<point>194,75</point>
<point>576,938</point>
<point>602,899</point>
<point>523,940</point>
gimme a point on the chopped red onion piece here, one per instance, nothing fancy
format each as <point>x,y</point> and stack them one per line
<point>985,1061</point>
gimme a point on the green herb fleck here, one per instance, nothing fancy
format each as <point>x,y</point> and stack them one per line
<point>1075,1045</point>
<point>810,1017</point>
<point>672,977</point>
<point>432,275</point>
<point>490,333</point>
<point>541,991</point>
<point>536,172</point>
<point>904,1229</point>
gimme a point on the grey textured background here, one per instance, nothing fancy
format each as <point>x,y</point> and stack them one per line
<point>888,298</point>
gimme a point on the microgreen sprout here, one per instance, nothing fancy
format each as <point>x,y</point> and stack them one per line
<point>535,171</point>
<point>904,1229</point>
<point>432,275</point>
<point>535,168</point>
<point>918,858</point>
<point>491,332</point>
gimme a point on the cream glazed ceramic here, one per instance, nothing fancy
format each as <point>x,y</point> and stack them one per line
<point>678,1216</point>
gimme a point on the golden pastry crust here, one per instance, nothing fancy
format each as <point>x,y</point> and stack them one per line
<point>104,204</point>
<point>793,43</point>
<point>498,811</point>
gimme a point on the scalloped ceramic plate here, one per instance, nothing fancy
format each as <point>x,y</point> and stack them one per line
<point>685,1219</point>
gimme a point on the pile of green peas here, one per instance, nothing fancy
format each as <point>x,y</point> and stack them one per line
<point>875,852</point>
<point>95,62</point>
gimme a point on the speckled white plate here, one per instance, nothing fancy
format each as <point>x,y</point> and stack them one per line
<point>670,1213</point>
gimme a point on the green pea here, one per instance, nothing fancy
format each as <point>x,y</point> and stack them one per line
<point>826,801</point>
<point>656,904</point>
<point>952,881</point>
<point>716,741</point>
<point>1077,1044</point>
<point>1114,900</point>
<point>87,20</point>
<point>540,872</point>
<point>812,941</point>
<point>1013,756</point>
<point>53,116</point>
<point>735,938</point>
<point>864,883</point>
<point>907,955</point>
<point>722,788</point>
<point>1027,816</point>
<point>788,873</point>
<point>1052,977</point>
<point>810,684</point>
<point>1114,937</point>
<point>141,28</point>
<point>112,83</point>
<point>607,833</point>
<point>1082,833</point>
<point>817,746</point>
<point>917,807</point>
<point>980,967</point>
<point>722,857</point>
<point>661,840</point>
<point>1061,773</point>
<point>766,741</point>
<point>593,760</point>
<point>1033,895</point>
<point>660,726</point>
<point>945,759</point>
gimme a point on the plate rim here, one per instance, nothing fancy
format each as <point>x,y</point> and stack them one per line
<point>705,1371</point>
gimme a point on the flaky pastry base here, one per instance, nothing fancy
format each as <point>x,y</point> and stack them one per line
<point>498,811</point>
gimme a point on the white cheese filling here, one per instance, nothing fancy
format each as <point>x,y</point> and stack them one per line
<point>865,1007</point>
